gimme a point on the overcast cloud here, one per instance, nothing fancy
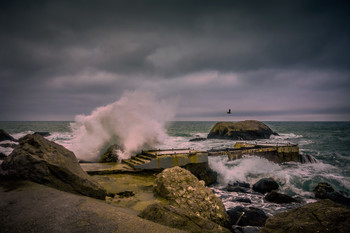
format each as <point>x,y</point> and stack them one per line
<point>266,60</point>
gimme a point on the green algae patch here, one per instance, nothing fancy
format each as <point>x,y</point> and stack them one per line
<point>140,184</point>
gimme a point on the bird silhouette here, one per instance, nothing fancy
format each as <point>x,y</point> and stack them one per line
<point>229,111</point>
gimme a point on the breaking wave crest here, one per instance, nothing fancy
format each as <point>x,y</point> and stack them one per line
<point>134,122</point>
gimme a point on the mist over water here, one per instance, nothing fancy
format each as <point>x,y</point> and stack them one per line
<point>135,122</point>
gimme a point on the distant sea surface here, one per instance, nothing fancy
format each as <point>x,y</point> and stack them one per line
<point>327,142</point>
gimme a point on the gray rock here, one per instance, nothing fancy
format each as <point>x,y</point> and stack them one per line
<point>179,218</point>
<point>265,185</point>
<point>247,216</point>
<point>182,189</point>
<point>325,190</point>
<point>29,207</point>
<point>279,198</point>
<point>45,162</point>
<point>243,130</point>
<point>4,136</point>
<point>321,216</point>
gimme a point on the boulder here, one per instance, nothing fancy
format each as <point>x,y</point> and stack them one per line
<point>182,189</point>
<point>265,185</point>
<point>238,186</point>
<point>4,136</point>
<point>111,155</point>
<point>179,218</point>
<point>247,216</point>
<point>241,199</point>
<point>243,130</point>
<point>42,133</point>
<point>45,162</point>
<point>325,190</point>
<point>321,216</point>
<point>203,172</point>
<point>197,139</point>
<point>279,198</point>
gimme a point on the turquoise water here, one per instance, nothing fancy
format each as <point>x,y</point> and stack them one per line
<point>328,142</point>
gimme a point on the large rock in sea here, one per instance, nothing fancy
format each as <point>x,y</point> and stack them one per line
<point>4,136</point>
<point>182,189</point>
<point>180,218</point>
<point>279,198</point>
<point>243,130</point>
<point>111,155</point>
<point>265,185</point>
<point>321,216</point>
<point>45,162</point>
<point>247,216</point>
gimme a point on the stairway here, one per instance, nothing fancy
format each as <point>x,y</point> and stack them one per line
<point>139,159</point>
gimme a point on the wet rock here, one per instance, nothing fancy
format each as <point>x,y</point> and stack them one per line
<point>203,172</point>
<point>325,190</point>
<point>182,189</point>
<point>126,194</point>
<point>45,162</point>
<point>247,216</point>
<point>44,134</point>
<point>241,199</point>
<point>265,185</point>
<point>279,198</point>
<point>246,229</point>
<point>4,136</point>
<point>243,130</point>
<point>111,155</point>
<point>180,218</point>
<point>197,139</point>
<point>321,216</point>
<point>241,184</point>
<point>2,155</point>
<point>8,145</point>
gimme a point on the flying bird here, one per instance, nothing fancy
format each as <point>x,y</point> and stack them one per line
<point>229,111</point>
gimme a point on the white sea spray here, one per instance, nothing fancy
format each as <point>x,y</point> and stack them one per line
<point>135,122</point>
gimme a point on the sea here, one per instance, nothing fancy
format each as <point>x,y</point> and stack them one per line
<point>327,142</point>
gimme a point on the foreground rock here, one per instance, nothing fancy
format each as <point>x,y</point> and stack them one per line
<point>182,189</point>
<point>4,136</point>
<point>43,133</point>
<point>243,130</point>
<point>325,190</point>
<point>322,216</point>
<point>29,207</point>
<point>265,185</point>
<point>248,216</point>
<point>203,172</point>
<point>279,198</point>
<point>45,162</point>
<point>111,155</point>
<point>180,218</point>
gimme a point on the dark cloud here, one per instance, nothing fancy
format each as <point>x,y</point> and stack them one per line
<point>286,53</point>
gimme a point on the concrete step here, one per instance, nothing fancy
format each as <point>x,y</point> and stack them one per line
<point>129,163</point>
<point>144,157</point>
<point>141,160</point>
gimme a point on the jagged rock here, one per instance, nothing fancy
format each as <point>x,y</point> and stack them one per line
<point>241,199</point>
<point>182,189</point>
<point>265,185</point>
<point>45,162</point>
<point>241,184</point>
<point>197,139</point>
<point>4,136</point>
<point>249,216</point>
<point>279,198</point>
<point>44,134</point>
<point>243,130</point>
<point>180,218</point>
<point>8,145</point>
<point>325,190</point>
<point>203,172</point>
<point>111,155</point>
<point>321,216</point>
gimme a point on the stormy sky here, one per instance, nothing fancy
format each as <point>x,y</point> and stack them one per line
<point>265,60</point>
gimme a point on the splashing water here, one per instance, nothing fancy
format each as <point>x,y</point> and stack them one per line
<point>134,122</point>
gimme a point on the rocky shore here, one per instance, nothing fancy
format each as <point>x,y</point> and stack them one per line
<point>44,182</point>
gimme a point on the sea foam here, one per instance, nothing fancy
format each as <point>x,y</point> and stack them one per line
<point>135,122</point>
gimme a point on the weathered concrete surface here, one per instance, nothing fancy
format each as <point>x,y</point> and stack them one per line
<point>30,207</point>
